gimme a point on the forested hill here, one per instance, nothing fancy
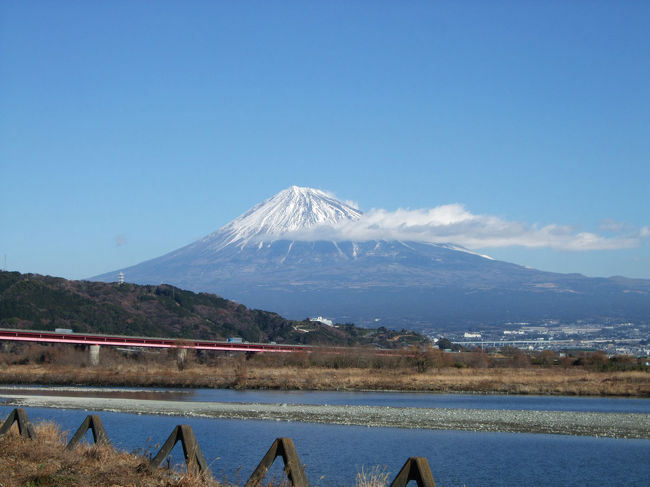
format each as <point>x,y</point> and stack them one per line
<point>31,301</point>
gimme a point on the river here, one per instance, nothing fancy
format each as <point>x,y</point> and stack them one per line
<point>334,453</point>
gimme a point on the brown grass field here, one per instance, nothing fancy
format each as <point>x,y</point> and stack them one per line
<point>433,371</point>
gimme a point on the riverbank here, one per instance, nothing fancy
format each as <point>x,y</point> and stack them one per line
<point>612,425</point>
<point>44,461</point>
<point>241,374</point>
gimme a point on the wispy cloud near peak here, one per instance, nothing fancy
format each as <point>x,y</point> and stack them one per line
<point>454,223</point>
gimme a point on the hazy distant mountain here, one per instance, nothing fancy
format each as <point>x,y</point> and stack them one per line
<point>271,258</point>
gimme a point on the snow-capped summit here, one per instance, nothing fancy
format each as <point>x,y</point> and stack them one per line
<point>286,255</point>
<point>292,210</point>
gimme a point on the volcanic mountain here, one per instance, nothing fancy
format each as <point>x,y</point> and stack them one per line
<point>281,256</point>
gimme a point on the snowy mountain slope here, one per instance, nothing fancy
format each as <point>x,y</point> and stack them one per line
<point>261,259</point>
<point>293,210</point>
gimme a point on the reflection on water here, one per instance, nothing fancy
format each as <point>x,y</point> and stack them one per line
<point>120,393</point>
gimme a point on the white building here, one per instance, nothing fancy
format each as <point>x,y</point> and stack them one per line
<point>322,320</point>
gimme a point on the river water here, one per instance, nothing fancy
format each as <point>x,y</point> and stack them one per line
<point>333,454</point>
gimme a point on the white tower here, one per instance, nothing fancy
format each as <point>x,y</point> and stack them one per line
<point>121,278</point>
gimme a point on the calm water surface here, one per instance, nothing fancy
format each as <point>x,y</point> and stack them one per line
<point>396,399</point>
<point>333,454</point>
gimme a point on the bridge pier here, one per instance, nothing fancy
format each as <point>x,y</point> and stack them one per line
<point>181,355</point>
<point>93,354</point>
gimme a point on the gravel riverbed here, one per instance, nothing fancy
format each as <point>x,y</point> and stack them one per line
<point>613,425</point>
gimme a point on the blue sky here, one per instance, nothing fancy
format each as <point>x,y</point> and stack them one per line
<point>131,128</point>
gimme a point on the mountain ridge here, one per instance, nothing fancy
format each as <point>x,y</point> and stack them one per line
<point>271,257</point>
<point>32,301</point>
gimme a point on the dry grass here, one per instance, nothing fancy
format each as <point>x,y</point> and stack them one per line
<point>506,381</point>
<point>375,477</point>
<point>548,381</point>
<point>45,462</point>
<point>431,370</point>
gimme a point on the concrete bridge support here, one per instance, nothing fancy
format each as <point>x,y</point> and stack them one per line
<point>94,355</point>
<point>181,356</point>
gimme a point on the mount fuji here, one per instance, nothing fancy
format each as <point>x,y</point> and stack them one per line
<point>281,255</point>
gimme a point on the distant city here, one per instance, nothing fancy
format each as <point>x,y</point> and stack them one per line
<point>612,338</point>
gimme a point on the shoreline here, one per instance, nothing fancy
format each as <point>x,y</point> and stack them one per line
<point>610,425</point>
<point>49,389</point>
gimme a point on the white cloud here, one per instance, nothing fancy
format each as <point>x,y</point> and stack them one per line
<point>612,226</point>
<point>455,224</point>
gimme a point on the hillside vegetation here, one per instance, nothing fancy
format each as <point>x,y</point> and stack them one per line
<point>31,301</point>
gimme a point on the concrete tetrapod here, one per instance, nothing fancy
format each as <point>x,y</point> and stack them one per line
<point>193,456</point>
<point>292,466</point>
<point>24,426</point>
<point>93,423</point>
<point>415,468</point>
